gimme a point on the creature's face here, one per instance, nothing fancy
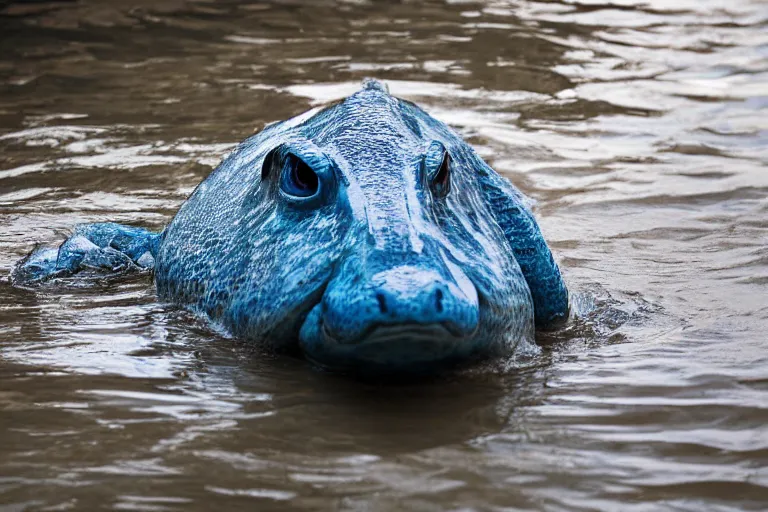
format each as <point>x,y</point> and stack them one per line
<point>359,232</point>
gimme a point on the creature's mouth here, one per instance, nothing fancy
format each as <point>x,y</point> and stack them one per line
<point>387,333</point>
<point>394,347</point>
<point>381,333</point>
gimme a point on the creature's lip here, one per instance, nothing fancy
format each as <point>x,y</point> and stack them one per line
<point>400,348</point>
<point>379,334</point>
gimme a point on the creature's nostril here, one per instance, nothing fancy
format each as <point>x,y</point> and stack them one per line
<point>439,301</point>
<point>382,302</point>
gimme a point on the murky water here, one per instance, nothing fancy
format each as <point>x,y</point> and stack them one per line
<point>640,126</point>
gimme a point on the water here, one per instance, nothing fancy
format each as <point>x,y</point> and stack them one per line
<point>639,126</point>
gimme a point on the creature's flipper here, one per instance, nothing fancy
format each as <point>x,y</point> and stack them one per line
<point>109,248</point>
<point>550,296</point>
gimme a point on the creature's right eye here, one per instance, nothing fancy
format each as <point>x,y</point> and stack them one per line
<point>297,178</point>
<point>299,174</point>
<point>441,181</point>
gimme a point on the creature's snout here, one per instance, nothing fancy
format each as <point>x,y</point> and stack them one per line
<point>399,298</point>
<point>398,316</point>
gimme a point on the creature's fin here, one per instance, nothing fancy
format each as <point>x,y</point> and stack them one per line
<point>550,296</point>
<point>109,247</point>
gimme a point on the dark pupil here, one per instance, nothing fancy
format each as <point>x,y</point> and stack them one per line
<point>303,177</point>
<point>441,178</point>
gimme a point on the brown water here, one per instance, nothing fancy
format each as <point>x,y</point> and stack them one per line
<point>640,126</point>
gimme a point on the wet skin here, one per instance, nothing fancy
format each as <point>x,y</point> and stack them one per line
<point>368,235</point>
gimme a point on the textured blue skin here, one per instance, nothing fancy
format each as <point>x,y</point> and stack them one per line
<point>376,271</point>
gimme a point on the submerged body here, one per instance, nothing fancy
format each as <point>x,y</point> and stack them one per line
<point>367,234</point>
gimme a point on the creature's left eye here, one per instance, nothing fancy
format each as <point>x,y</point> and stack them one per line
<point>441,181</point>
<point>298,179</point>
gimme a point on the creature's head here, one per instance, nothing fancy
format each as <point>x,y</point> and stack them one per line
<point>365,232</point>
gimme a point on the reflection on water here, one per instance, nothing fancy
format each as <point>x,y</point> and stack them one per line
<point>640,127</point>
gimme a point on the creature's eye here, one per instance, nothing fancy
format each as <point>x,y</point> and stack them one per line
<point>298,179</point>
<point>441,181</point>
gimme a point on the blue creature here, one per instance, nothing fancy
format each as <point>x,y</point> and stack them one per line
<point>367,235</point>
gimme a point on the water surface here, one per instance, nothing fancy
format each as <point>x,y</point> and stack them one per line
<point>639,126</point>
